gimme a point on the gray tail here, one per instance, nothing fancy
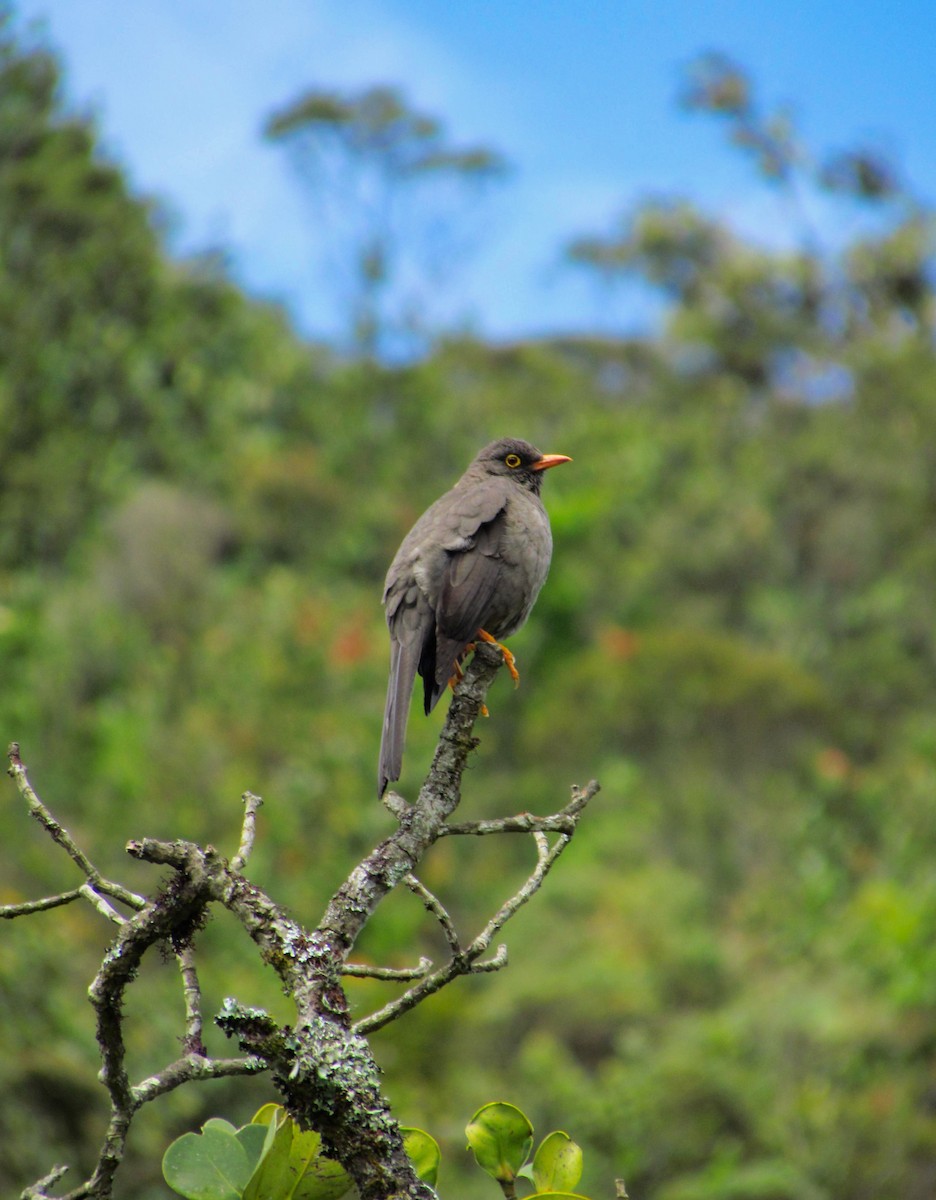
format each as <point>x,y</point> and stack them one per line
<point>403,662</point>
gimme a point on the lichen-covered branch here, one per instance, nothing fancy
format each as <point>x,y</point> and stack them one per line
<point>321,1065</point>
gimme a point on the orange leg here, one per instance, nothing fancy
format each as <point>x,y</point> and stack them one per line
<point>509,659</point>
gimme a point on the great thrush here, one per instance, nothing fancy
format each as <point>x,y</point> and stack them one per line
<point>472,566</point>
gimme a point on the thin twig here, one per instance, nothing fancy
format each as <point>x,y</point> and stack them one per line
<point>9,911</point>
<point>545,859</point>
<point>389,974</point>
<point>435,906</point>
<point>57,832</point>
<point>193,1067</point>
<point>98,902</point>
<point>191,994</point>
<point>496,962</point>
<point>39,1190</point>
<point>63,838</point>
<point>248,830</point>
<point>563,821</point>
<point>521,823</point>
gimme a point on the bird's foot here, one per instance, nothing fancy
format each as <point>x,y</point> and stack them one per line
<point>509,660</point>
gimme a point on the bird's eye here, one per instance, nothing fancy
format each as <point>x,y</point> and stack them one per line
<point>512,460</point>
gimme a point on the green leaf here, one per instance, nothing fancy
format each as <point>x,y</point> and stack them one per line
<point>424,1154</point>
<point>254,1139</point>
<point>211,1165</point>
<point>292,1166</point>
<point>272,1176</point>
<point>557,1164</point>
<point>219,1124</point>
<point>267,1114</point>
<point>501,1137</point>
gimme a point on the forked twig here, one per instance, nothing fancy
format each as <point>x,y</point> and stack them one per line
<point>468,960</point>
<point>60,835</point>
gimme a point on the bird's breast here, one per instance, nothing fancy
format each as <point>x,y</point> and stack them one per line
<point>525,551</point>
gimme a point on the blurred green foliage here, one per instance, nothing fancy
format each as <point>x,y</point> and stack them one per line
<point>728,987</point>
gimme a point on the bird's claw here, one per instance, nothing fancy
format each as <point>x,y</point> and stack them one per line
<point>509,660</point>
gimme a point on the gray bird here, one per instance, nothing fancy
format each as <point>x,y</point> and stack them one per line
<point>472,566</point>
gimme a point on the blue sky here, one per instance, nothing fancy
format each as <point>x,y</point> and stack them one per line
<point>579,95</point>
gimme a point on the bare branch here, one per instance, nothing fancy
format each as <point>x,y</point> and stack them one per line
<point>248,831</point>
<point>9,911</point>
<point>465,961</point>
<point>58,833</point>
<point>39,1190</point>
<point>459,964</point>
<point>62,837</point>
<point>191,993</point>
<point>496,962</point>
<point>98,902</point>
<point>192,1067</point>
<point>389,974</point>
<point>546,858</point>
<point>434,905</point>
<point>563,821</point>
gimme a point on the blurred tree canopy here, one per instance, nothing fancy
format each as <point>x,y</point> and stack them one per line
<point>730,988</point>
<point>394,197</point>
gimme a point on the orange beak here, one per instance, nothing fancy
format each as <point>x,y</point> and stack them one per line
<point>550,460</point>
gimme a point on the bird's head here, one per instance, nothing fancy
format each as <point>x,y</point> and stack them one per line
<point>518,460</point>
